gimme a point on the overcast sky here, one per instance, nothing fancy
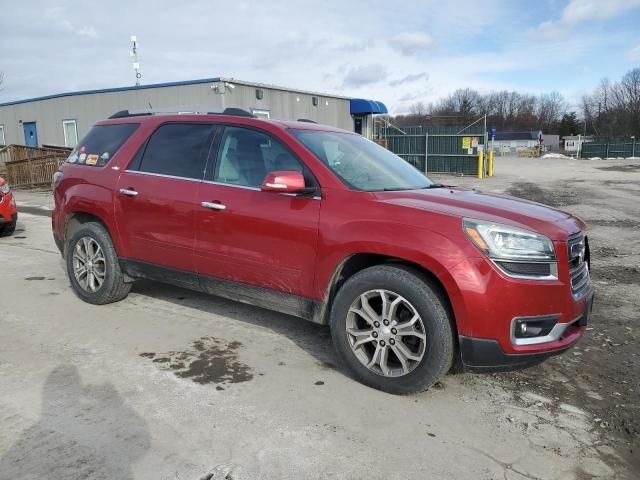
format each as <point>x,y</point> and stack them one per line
<point>399,52</point>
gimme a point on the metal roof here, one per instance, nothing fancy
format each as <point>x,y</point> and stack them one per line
<point>532,135</point>
<point>172,84</point>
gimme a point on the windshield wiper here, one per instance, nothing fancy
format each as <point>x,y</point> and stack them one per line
<point>399,189</point>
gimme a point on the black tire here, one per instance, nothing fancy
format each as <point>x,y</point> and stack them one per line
<point>7,229</point>
<point>424,297</point>
<point>113,288</point>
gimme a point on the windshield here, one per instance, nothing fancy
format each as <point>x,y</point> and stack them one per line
<point>360,163</point>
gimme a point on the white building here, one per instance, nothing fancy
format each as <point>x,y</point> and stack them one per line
<point>63,119</point>
<point>573,143</point>
<point>513,142</point>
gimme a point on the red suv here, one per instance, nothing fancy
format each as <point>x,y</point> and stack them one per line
<point>413,277</point>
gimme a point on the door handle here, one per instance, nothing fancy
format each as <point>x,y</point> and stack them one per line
<point>128,192</point>
<point>213,206</point>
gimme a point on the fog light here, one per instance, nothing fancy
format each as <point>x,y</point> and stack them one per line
<point>530,327</point>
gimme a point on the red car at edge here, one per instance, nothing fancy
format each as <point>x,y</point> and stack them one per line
<point>8,210</point>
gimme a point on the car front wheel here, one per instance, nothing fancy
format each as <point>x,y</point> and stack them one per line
<point>391,328</point>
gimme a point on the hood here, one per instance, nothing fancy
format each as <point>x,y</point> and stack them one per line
<point>492,207</point>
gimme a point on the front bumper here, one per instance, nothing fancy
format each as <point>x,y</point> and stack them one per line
<point>487,355</point>
<point>491,303</point>
<point>483,355</point>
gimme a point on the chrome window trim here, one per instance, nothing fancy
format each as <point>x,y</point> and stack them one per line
<point>243,187</point>
<point>162,175</point>
<point>556,332</point>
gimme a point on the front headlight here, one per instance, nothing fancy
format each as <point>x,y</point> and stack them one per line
<point>502,242</point>
<point>4,188</point>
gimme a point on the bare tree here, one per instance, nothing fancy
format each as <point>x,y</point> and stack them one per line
<point>613,109</point>
<point>550,108</point>
<point>1,80</point>
<point>418,109</point>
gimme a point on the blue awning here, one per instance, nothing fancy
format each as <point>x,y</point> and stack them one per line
<point>364,106</point>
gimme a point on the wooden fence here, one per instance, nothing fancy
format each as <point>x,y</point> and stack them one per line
<point>31,167</point>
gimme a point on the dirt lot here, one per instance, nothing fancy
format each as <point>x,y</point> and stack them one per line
<point>171,384</point>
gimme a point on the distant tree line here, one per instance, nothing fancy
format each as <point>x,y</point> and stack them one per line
<point>613,109</point>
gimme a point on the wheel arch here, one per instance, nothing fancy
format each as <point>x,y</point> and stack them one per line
<point>74,220</point>
<point>360,261</point>
<point>357,262</point>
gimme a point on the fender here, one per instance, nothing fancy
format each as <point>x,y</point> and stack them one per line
<point>76,200</point>
<point>440,259</point>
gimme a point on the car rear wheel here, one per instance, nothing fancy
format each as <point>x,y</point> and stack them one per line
<point>92,266</point>
<point>391,328</point>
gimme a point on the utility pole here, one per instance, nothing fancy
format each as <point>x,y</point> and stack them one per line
<point>486,139</point>
<point>134,54</point>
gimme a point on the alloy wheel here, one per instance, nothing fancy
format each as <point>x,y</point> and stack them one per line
<point>89,264</point>
<point>386,333</point>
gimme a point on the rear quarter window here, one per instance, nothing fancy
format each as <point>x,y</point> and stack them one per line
<point>102,142</point>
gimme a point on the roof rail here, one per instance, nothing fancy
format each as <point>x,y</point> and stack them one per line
<point>126,113</point>
<point>306,120</point>
<point>237,112</point>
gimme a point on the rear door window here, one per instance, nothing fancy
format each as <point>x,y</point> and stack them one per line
<point>178,150</point>
<point>101,144</point>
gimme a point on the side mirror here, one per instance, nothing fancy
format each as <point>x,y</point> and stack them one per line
<point>284,181</point>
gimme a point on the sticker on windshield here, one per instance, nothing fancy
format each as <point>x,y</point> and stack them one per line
<point>92,159</point>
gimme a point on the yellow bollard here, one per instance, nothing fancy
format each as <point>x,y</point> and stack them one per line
<point>480,165</point>
<point>491,153</point>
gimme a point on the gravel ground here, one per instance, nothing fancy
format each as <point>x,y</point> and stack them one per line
<point>172,384</point>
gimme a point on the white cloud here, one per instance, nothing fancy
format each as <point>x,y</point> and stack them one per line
<point>60,21</point>
<point>364,75</point>
<point>582,11</point>
<point>88,32</point>
<point>410,43</point>
<point>412,77</point>
<point>634,54</point>
<point>340,49</point>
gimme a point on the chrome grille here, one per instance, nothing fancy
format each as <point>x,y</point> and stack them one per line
<point>578,254</point>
